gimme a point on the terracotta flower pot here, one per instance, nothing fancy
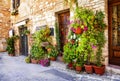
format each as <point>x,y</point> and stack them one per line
<point>34,61</point>
<point>11,54</point>
<point>79,30</point>
<point>78,68</point>
<point>99,70</point>
<point>70,65</point>
<point>89,69</point>
<point>53,58</point>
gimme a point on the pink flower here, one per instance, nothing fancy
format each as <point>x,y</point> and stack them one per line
<point>93,46</point>
<point>73,29</point>
<point>85,28</point>
<point>43,62</point>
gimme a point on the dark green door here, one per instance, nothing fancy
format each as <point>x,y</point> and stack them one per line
<point>23,41</point>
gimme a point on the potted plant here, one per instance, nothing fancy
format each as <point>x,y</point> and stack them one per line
<point>45,62</point>
<point>53,54</point>
<point>27,59</point>
<point>69,54</point>
<point>76,27</point>
<point>100,37</point>
<point>10,46</point>
<point>87,38</point>
<point>57,32</point>
<point>37,53</point>
<point>79,63</point>
<point>49,48</point>
<point>26,32</point>
<point>14,12</point>
<point>42,37</point>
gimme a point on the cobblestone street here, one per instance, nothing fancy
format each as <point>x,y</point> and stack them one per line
<point>15,69</point>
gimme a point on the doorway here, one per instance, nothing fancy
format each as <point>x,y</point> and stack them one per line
<point>23,41</point>
<point>63,19</point>
<point>114,31</point>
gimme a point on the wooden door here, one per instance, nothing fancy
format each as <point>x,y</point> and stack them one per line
<point>23,41</point>
<point>114,31</point>
<point>63,19</point>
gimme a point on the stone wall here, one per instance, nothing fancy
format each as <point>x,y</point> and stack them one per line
<point>39,13</point>
<point>42,12</point>
<point>4,23</point>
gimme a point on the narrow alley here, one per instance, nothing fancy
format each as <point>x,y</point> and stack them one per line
<point>15,69</point>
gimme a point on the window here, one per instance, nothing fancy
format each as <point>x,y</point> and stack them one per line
<point>16,4</point>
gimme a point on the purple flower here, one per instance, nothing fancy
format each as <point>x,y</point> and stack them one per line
<point>73,29</point>
<point>43,62</point>
<point>85,28</point>
<point>93,46</point>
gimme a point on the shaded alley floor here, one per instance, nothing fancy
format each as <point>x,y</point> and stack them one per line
<point>15,69</point>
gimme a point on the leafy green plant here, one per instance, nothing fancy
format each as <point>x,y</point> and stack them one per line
<point>27,59</point>
<point>99,24</point>
<point>100,37</point>
<point>69,52</point>
<point>94,36</point>
<point>53,52</point>
<point>57,36</point>
<point>37,52</point>
<point>42,36</point>
<point>10,45</point>
<point>71,2</point>
<point>25,32</point>
<point>14,12</point>
<point>87,39</point>
<point>80,62</point>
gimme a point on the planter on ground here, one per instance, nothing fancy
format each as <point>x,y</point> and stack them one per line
<point>99,70</point>
<point>89,69</point>
<point>34,61</point>
<point>78,68</point>
<point>53,58</point>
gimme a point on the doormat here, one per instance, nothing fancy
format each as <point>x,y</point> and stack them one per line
<point>60,74</point>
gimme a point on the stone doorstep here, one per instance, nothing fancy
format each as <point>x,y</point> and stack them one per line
<point>113,69</point>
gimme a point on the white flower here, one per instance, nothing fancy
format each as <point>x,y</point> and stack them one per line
<point>71,37</point>
<point>79,39</point>
<point>74,36</point>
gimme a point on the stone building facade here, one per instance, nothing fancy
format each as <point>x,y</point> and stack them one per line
<point>4,22</point>
<point>37,13</point>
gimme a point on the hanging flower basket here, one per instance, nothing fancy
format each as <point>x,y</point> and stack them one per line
<point>78,30</point>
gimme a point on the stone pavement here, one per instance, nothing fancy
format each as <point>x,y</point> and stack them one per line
<point>15,69</point>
